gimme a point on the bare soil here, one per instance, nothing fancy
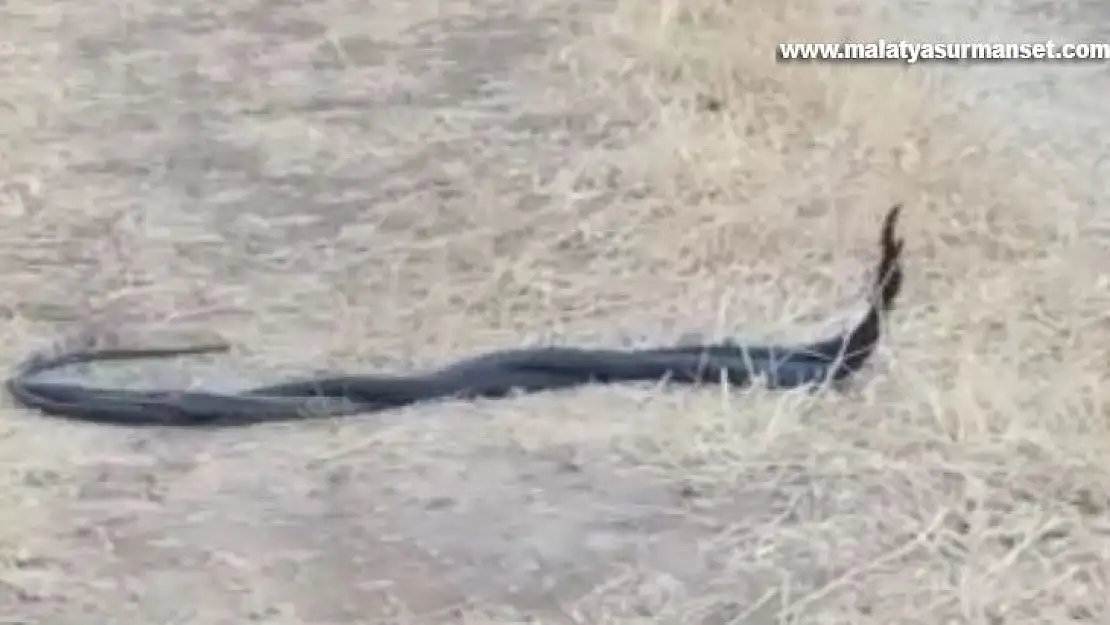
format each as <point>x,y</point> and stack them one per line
<point>390,185</point>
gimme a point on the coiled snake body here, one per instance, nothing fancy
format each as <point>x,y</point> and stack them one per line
<point>492,375</point>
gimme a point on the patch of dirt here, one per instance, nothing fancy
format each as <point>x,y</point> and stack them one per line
<point>337,185</point>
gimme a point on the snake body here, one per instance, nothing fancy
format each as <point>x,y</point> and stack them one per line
<point>493,375</point>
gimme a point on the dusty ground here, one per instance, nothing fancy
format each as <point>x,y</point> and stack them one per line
<point>345,185</point>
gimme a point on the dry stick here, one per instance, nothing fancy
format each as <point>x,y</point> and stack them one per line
<point>793,610</point>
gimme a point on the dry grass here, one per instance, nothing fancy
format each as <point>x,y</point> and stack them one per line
<point>338,185</point>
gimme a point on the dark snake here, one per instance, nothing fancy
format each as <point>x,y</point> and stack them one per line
<point>493,375</point>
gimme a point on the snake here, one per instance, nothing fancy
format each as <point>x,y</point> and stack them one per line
<point>493,375</point>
